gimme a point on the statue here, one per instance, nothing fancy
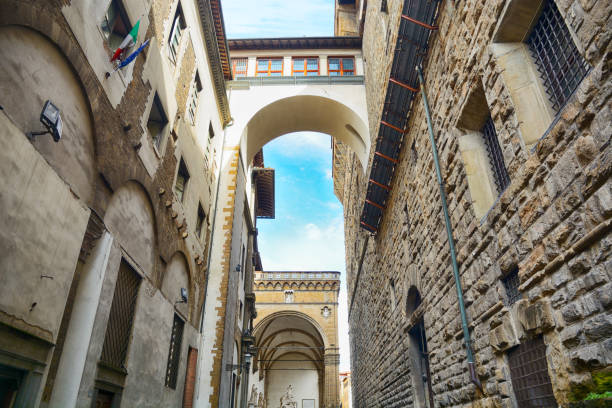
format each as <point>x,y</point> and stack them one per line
<point>260,402</point>
<point>253,398</point>
<point>288,399</point>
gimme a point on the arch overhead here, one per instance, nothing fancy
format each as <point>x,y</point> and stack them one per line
<point>300,113</point>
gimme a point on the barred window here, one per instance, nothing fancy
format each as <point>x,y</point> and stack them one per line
<point>341,66</point>
<point>511,285</point>
<point>174,354</point>
<point>496,158</point>
<point>239,67</point>
<point>557,58</point>
<point>121,318</point>
<point>529,373</point>
<point>269,66</point>
<point>305,67</point>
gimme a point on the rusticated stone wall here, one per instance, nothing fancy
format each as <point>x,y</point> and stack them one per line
<point>552,223</point>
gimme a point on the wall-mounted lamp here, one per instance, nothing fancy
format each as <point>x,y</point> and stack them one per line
<point>247,359</point>
<point>238,268</point>
<point>50,117</point>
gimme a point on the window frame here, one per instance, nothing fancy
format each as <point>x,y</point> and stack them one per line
<point>246,67</point>
<point>182,172</point>
<point>121,14</point>
<point>194,97</point>
<point>269,71</point>
<point>174,352</point>
<point>341,71</point>
<point>176,32</point>
<point>305,69</point>
<point>158,138</point>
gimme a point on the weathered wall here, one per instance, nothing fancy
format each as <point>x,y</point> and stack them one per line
<point>552,222</point>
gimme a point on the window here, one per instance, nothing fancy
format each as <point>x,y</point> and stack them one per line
<point>288,296</point>
<point>529,373</point>
<point>418,353</point>
<point>496,158</point>
<point>341,66</point>
<point>305,67</point>
<point>121,318</point>
<point>157,121</point>
<point>174,353</point>
<point>211,131</point>
<point>194,93</point>
<point>392,293</point>
<point>242,261</point>
<point>115,25</point>
<point>239,67</point>
<point>182,177</point>
<point>178,25</point>
<point>511,284</point>
<point>269,66</point>
<point>559,63</point>
<point>200,220</point>
<point>383,6</point>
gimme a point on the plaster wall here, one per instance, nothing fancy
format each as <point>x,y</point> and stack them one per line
<point>32,71</point>
<point>301,375</point>
<point>43,224</point>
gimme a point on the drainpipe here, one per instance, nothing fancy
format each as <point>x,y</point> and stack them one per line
<point>451,242</point>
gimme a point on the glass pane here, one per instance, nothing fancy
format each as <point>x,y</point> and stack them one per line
<point>312,64</point>
<point>334,64</point>
<point>312,73</point>
<point>109,19</point>
<point>298,73</point>
<point>347,64</point>
<point>276,74</point>
<point>262,65</point>
<point>298,64</point>
<point>332,73</point>
<point>277,65</point>
<point>349,73</point>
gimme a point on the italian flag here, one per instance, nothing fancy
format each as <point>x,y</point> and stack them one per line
<point>128,41</point>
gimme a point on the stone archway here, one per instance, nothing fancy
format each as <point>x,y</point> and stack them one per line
<point>291,353</point>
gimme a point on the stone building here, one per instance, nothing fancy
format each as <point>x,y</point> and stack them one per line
<point>104,250</point>
<point>519,100</point>
<point>296,332</point>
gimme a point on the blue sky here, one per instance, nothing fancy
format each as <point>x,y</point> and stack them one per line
<point>308,232</point>
<point>278,18</point>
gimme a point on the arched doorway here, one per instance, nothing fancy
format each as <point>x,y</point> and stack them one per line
<point>290,359</point>
<point>418,352</point>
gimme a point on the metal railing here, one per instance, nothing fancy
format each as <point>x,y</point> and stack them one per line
<point>296,80</point>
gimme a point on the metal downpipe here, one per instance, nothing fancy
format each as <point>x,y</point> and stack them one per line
<point>451,242</point>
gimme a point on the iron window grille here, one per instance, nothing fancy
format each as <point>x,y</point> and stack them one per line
<point>511,285</point>
<point>239,67</point>
<point>496,158</point>
<point>174,354</point>
<point>196,88</point>
<point>557,58</point>
<point>529,373</point>
<point>121,318</point>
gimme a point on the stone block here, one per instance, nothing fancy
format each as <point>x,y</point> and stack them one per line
<point>537,317</point>
<point>503,336</point>
<point>599,327</point>
<point>571,335</point>
<point>591,356</point>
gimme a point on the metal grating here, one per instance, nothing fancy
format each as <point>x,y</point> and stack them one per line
<point>174,354</point>
<point>529,373</point>
<point>119,328</point>
<point>511,284</point>
<point>496,158</point>
<point>558,61</point>
<point>410,50</point>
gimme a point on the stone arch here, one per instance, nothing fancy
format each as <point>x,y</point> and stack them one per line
<point>130,218</point>
<point>319,286</point>
<point>261,325</point>
<point>176,276</point>
<point>302,286</point>
<point>285,286</point>
<point>33,69</point>
<point>294,285</point>
<point>306,112</point>
<point>278,286</point>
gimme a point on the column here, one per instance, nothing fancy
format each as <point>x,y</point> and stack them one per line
<point>323,65</point>
<point>78,336</point>
<point>332,381</point>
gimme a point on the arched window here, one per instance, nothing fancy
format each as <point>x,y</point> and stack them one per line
<point>418,352</point>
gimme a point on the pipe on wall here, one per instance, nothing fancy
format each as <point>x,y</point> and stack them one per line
<point>451,242</point>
